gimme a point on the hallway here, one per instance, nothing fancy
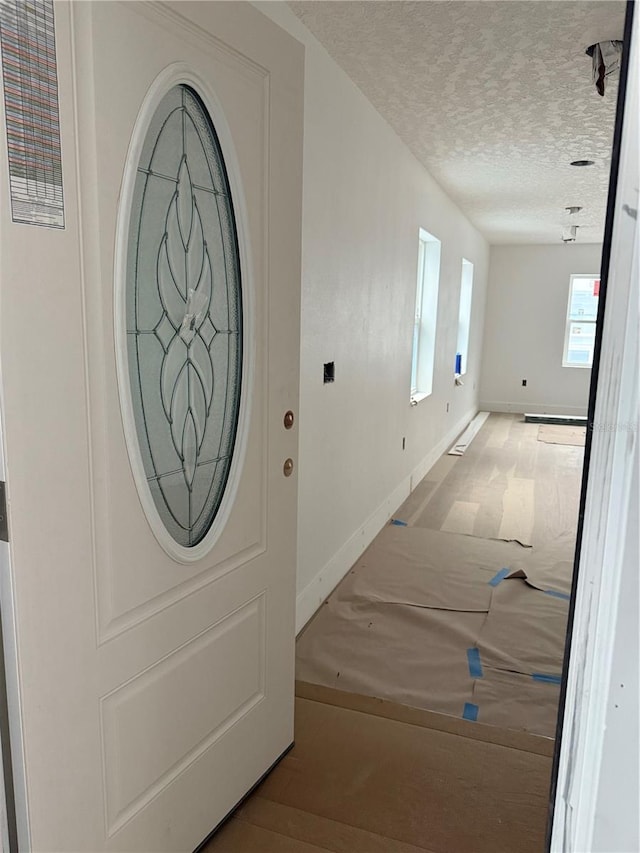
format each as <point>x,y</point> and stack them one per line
<point>457,610</point>
<point>460,604</point>
<point>262,265</point>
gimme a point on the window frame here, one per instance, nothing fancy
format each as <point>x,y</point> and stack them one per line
<point>182,73</point>
<point>569,321</point>
<point>425,319</point>
<point>464,320</point>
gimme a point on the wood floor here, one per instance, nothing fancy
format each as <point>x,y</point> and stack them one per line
<point>367,776</point>
<point>512,483</point>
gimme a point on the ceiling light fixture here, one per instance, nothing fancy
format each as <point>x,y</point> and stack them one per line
<point>582,162</point>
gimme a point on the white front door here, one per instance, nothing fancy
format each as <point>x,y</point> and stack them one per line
<point>152,527</point>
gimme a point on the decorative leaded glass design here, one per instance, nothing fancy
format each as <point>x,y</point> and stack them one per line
<point>184,315</point>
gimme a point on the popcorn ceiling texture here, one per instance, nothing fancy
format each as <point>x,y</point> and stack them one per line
<point>494,98</point>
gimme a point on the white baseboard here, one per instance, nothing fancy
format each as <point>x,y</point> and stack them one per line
<point>332,573</point>
<point>463,441</point>
<point>535,408</point>
<point>421,470</point>
<point>323,584</point>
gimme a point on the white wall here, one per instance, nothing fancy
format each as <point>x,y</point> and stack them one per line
<point>365,197</point>
<point>525,326</point>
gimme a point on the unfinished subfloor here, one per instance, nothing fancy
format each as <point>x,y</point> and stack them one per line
<point>460,604</point>
<point>369,776</point>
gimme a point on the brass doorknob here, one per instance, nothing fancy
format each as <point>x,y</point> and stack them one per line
<point>288,467</point>
<point>288,419</point>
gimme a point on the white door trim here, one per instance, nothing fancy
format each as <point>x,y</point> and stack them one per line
<point>607,523</point>
<point>13,708</point>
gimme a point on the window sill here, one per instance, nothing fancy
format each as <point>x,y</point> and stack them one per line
<point>579,366</point>
<point>418,398</point>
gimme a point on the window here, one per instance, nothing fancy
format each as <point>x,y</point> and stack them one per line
<point>580,331</point>
<point>464,316</point>
<point>424,324</point>
<point>183,317</point>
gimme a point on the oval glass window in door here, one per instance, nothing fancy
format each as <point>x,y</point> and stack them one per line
<point>184,316</point>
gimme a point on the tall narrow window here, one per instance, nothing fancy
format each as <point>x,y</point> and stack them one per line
<point>426,314</point>
<point>464,317</point>
<point>580,329</point>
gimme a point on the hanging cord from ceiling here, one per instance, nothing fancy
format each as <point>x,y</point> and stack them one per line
<point>605,57</point>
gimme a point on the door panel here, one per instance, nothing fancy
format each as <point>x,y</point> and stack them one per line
<point>134,777</point>
<point>155,691</point>
<point>125,598</point>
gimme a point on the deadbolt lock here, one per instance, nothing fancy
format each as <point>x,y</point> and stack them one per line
<point>288,419</point>
<point>288,467</point>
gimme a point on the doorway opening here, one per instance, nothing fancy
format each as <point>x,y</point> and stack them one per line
<point>372,595</point>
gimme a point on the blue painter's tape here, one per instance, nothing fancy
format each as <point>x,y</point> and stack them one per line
<point>470,712</point>
<point>398,523</point>
<point>557,594</point>
<point>550,679</point>
<point>495,580</point>
<point>475,667</point>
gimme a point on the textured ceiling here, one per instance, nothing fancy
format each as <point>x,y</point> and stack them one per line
<point>494,98</point>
